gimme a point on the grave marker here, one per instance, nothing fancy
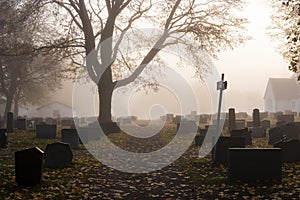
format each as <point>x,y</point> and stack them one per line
<point>58,155</point>
<point>46,131</point>
<point>258,132</point>
<point>232,122</point>
<point>244,133</point>
<point>3,138</point>
<point>70,136</point>
<point>256,118</point>
<point>22,124</point>
<point>290,150</point>
<point>10,122</point>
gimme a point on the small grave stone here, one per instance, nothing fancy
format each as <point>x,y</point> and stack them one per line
<point>277,114</point>
<point>240,124</point>
<point>256,118</point>
<point>45,131</point>
<point>232,122</point>
<point>28,166</point>
<point>10,122</point>
<point>169,117</point>
<point>285,118</point>
<point>249,123</point>
<point>177,119</point>
<point>242,133</point>
<point>70,136</point>
<point>275,135</point>
<point>266,124</point>
<point>291,131</point>
<point>258,132</point>
<point>67,122</point>
<point>88,134</point>
<point>3,138</point>
<point>21,124</point>
<point>290,150</point>
<point>223,144</point>
<point>58,155</point>
<point>252,165</point>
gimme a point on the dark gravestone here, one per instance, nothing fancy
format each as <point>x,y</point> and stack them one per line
<point>280,123</point>
<point>258,132</point>
<point>187,126</point>
<point>88,134</point>
<point>45,131</point>
<point>275,135</point>
<point>290,131</point>
<point>3,138</point>
<point>256,118</point>
<point>285,118</point>
<point>290,150</point>
<point>21,124</point>
<point>70,136</point>
<point>58,155</point>
<point>242,133</point>
<point>200,137</point>
<point>28,166</point>
<point>176,119</point>
<point>249,123</point>
<point>223,144</point>
<point>253,165</point>
<point>67,122</point>
<point>266,124</point>
<point>240,124</point>
<point>10,122</point>
<point>231,118</point>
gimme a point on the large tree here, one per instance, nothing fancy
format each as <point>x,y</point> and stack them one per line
<point>22,68</point>
<point>286,30</point>
<point>212,23</point>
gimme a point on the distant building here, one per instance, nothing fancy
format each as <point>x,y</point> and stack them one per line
<point>282,94</point>
<point>53,109</point>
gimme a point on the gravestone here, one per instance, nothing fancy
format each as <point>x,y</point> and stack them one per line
<point>45,131</point>
<point>240,124</point>
<point>176,119</point>
<point>223,144</point>
<point>231,118</point>
<point>21,124</point>
<point>169,117</point>
<point>242,133</point>
<point>3,138</point>
<point>277,114</point>
<point>37,120</point>
<point>70,136</point>
<point>290,150</point>
<point>249,123</point>
<point>67,122</point>
<point>291,131</point>
<point>252,165</point>
<point>258,132</point>
<point>256,118</point>
<point>58,155</point>
<point>28,166</point>
<point>49,121</point>
<point>280,123</point>
<point>266,124</point>
<point>87,134</point>
<point>275,135</point>
<point>10,122</point>
<point>264,115</point>
<point>285,118</point>
<point>187,126</point>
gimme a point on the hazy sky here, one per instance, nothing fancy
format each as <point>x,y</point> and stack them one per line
<point>247,70</point>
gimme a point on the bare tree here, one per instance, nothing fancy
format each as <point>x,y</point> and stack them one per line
<point>212,23</point>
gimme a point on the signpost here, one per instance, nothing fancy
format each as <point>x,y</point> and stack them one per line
<point>221,85</point>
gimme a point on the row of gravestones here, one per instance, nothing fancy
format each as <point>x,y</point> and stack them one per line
<point>29,162</point>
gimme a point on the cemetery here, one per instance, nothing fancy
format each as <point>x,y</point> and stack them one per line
<point>261,160</point>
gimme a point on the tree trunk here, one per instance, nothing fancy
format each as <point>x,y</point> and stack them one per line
<point>105,98</point>
<point>16,107</point>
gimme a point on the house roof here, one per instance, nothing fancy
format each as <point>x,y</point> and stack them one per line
<point>53,102</point>
<point>284,88</point>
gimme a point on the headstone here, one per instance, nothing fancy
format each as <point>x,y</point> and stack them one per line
<point>21,124</point>
<point>285,118</point>
<point>290,131</point>
<point>264,115</point>
<point>258,132</point>
<point>45,131</point>
<point>249,123</point>
<point>58,155</point>
<point>176,119</point>
<point>169,117</point>
<point>87,134</point>
<point>290,150</point>
<point>37,120</point>
<point>10,122</point>
<point>266,124</point>
<point>187,126</point>
<point>222,148</point>
<point>50,121</point>
<point>67,122</point>
<point>252,165</point>
<point>70,136</point>
<point>277,114</point>
<point>240,124</point>
<point>244,133</point>
<point>256,117</point>
<point>232,122</point>
<point>280,123</point>
<point>28,166</point>
<point>275,135</point>
<point>3,138</point>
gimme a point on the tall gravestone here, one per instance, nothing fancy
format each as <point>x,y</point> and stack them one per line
<point>10,122</point>
<point>256,118</point>
<point>231,116</point>
<point>28,166</point>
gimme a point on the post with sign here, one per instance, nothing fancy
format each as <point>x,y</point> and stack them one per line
<point>221,85</point>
